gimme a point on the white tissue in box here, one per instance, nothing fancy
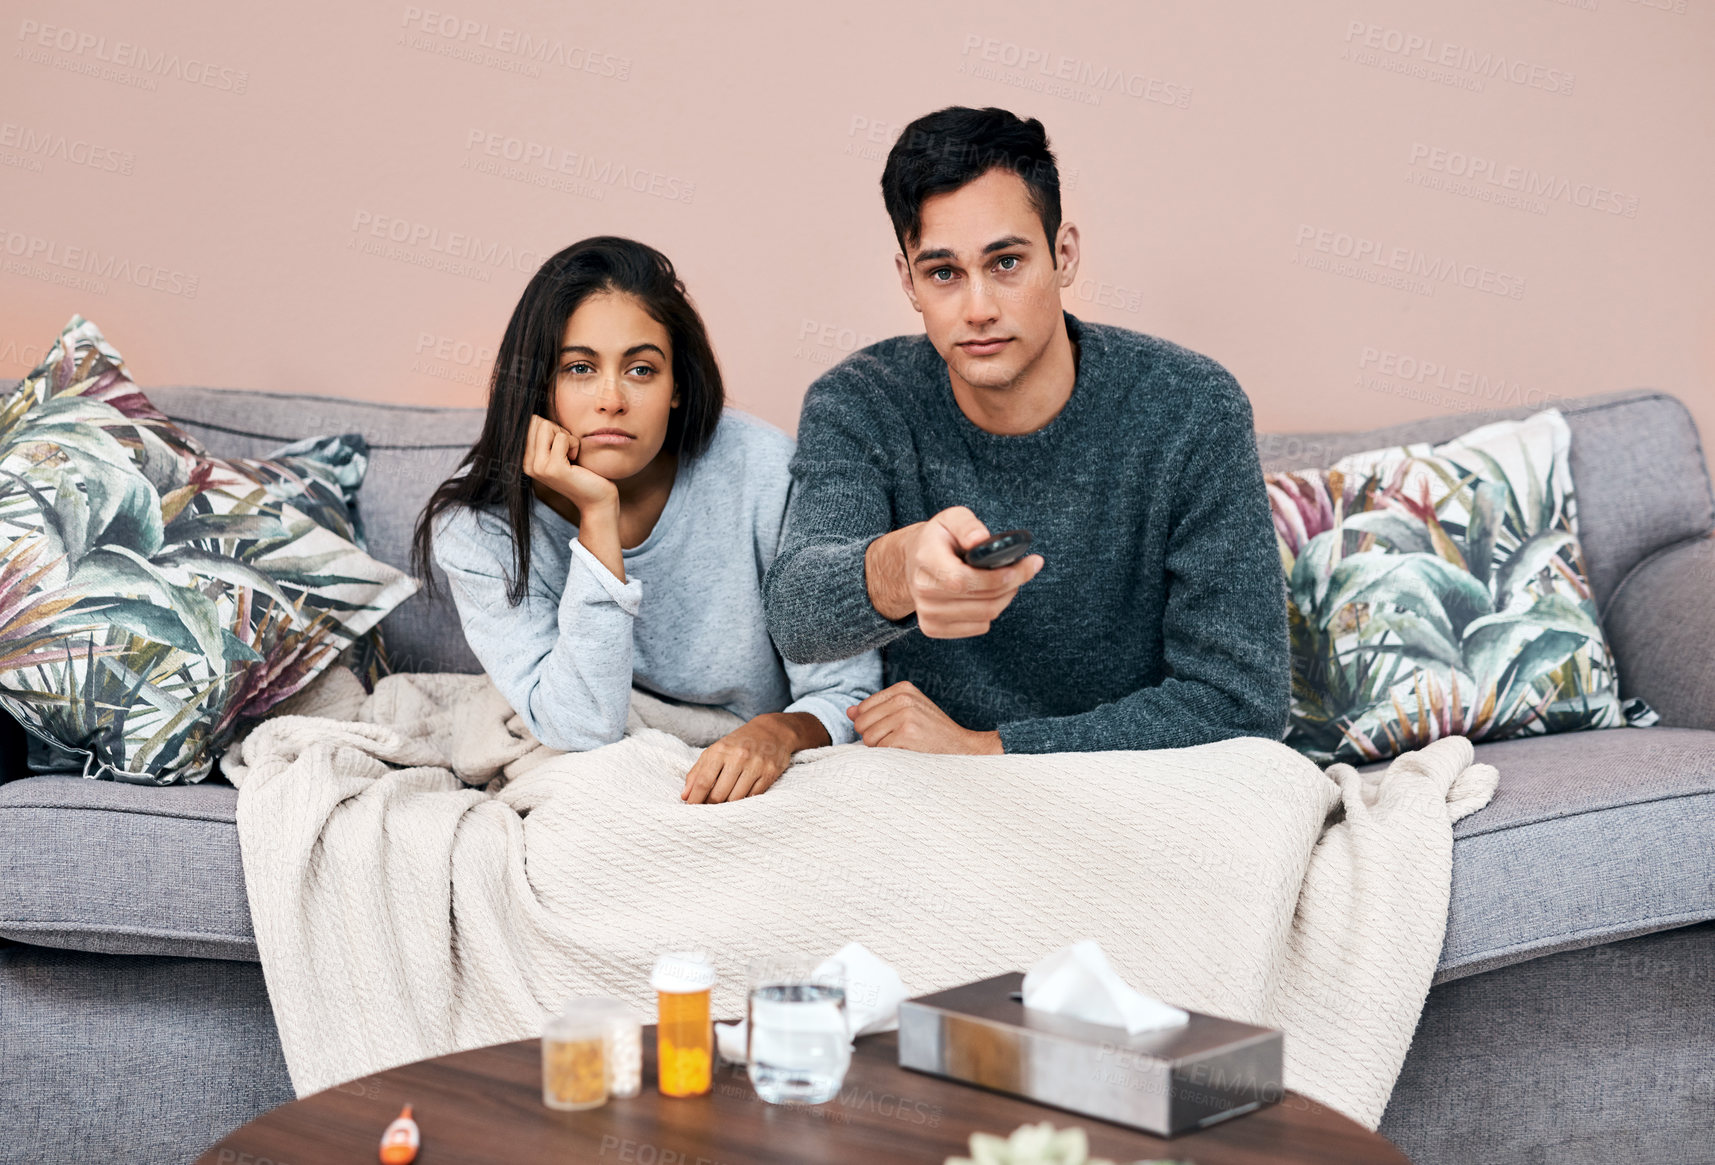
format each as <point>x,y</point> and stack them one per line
<point>1076,981</point>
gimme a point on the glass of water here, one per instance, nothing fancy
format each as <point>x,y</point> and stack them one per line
<point>797,1041</point>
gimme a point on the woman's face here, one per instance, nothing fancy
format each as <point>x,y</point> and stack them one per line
<point>615,373</point>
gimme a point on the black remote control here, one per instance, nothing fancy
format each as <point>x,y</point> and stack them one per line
<point>1003,549</point>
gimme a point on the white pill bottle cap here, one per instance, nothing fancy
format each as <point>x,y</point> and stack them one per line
<point>683,972</point>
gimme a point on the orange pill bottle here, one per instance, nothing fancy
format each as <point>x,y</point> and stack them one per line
<point>684,1035</point>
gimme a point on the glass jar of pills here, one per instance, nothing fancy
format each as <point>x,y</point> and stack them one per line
<point>684,1035</point>
<point>624,1051</point>
<point>574,1056</point>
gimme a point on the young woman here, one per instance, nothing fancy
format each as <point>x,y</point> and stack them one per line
<point>613,523</point>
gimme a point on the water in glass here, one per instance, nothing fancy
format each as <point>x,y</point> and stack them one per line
<point>799,1046</point>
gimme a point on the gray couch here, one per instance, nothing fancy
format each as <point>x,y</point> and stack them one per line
<point>1572,1013</point>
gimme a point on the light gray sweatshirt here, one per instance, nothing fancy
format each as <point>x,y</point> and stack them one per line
<point>687,624</point>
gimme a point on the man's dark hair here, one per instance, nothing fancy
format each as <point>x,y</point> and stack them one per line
<point>942,151</point>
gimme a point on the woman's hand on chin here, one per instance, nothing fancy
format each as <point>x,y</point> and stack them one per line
<point>550,457</point>
<point>750,758</point>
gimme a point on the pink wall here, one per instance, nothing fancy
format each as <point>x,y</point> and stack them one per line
<point>215,184</point>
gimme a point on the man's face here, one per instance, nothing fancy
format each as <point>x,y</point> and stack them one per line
<point>984,277</point>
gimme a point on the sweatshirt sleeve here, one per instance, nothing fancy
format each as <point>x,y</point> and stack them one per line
<point>815,592</point>
<point>565,666</point>
<point>826,690</point>
<point>1224,629</point>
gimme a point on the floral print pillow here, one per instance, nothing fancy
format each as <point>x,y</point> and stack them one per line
<point>1442,592</point>
<point>321,476</point>
<point>152,595</point>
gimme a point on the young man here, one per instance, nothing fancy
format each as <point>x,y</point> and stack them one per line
<point>1153,613</point>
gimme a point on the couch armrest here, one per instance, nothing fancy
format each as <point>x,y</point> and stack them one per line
<point>1661,626</point>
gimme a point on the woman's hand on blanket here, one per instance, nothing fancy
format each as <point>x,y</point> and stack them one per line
<point>750,758</point>
<point>901,716</point>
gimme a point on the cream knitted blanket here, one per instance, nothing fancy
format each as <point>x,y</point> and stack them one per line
<point>424,877</point>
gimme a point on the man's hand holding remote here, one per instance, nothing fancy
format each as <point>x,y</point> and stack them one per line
<point>919,568</point>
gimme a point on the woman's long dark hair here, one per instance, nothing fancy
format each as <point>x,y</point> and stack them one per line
<point>526,368</point>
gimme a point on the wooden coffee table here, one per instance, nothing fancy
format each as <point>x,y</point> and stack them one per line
<point>485,1106</point>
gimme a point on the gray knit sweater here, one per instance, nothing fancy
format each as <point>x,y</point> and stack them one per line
<point>1159,617</point>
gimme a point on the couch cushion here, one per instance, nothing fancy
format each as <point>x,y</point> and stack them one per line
<point>124,869</point>
<point>1591,837</point>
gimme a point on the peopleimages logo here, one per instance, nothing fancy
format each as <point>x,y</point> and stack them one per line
<point>1520,179</point>
<point>1415,270</point>
<point>447,358</point>
<point>29,355</point>
<point>86,268</point>
<point>127,55</point>
<point>532,160</point>
<point>1427,51</point>
<point>455,252</point>
<point>512,42</point>
<point>44,144</point>
<point>1406,375</point>
<point>1070,71</point>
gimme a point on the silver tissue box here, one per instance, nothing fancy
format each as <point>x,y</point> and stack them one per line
<point>1164,1082</point>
